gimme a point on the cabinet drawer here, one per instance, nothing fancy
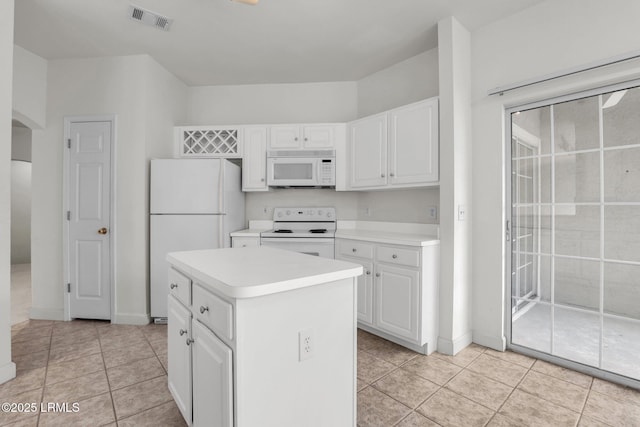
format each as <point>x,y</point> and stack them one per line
<point>245,242</point>
<point>180,286</point>
<point>354,249</point>
<point>213,312</point>
<point>400,256</point>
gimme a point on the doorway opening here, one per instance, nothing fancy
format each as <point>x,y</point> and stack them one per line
<point>575,234</point>
<point>21,140</point>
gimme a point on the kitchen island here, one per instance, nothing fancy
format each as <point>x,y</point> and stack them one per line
<point>262,337</point>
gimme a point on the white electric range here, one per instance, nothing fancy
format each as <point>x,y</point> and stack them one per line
<point>306,230</point>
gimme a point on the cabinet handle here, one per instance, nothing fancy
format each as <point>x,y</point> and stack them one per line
<point>368,273</point>
<point>391,174</point>
<point>306,139</point>
<point>394,256</point>
<point>261,179</point>
<point>190,341</point>
<point>295,139</point>
<point>203,309</point>
<point>354,250</point>
<point>377,274</point>
<point>173,285</point>
<point>381,175</point>
<point>182,332</point>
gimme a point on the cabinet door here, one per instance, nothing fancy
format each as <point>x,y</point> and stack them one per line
<point>365,290</point>
<point>365,294</point>
<point>397,295</point>
<point>413,143</point>
<point>179,355</point>
<point>254,159</point>
<point>212,380</point>
<point>368,152</point>
<point>318,136</point>
<point>285,137</point>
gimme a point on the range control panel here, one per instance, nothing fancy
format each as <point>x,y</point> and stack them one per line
<point>304,214</point>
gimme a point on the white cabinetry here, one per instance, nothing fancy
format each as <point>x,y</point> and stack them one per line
<point>309,136</point>
<point>212,379</point>
<point>395,149</point>
<point>254,159</point>
<point>209,141</point>
<point>236,346</point>
<point>206,398</point>
<point>244,242</point>
<point>399,299</point>
<point>368,152</point>
<point>179,355</point>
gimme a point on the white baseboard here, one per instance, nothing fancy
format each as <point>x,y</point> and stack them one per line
<point>7,372</point>
<point>452,347</point>
<point>496,343</point>
<point>131,319</point>
<point>46,313</point>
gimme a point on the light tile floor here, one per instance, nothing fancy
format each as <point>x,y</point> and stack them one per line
<point>117,374</point>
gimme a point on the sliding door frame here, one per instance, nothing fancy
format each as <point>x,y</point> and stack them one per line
<point>510,233</point>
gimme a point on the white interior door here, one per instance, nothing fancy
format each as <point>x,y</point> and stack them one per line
<point>89,232</point>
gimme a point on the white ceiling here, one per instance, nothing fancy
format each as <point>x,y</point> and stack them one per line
<point>215,42</point>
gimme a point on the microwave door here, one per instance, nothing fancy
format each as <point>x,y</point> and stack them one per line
<point>292,172</point>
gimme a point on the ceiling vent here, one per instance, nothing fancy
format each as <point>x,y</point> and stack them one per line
<point>149,18</point>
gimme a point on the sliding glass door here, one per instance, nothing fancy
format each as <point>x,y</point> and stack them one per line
<point>575,230</point>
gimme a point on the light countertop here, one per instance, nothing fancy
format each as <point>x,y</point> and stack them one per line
<point>390,237</point>
<point>256,271</point>
<point>249,232</point>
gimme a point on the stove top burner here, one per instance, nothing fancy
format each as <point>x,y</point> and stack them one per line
<point>318,230</point>
<point>282,231</point>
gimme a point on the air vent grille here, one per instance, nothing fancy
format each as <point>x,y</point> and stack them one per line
<point>149,18</point>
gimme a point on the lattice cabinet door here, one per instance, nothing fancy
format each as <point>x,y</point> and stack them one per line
<point>209,141</point>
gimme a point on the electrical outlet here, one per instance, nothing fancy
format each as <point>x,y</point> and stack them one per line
<point>367,211</point>
<point>306,344</point>
<point>433,212</point>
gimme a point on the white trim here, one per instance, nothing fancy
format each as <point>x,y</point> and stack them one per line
<point>130,318</point>
<point>46,313</point>
<point>566,72</point>
<point>496,343</point>
<point>7,372</point>
<point>453,347</point>
<point>112,118</point>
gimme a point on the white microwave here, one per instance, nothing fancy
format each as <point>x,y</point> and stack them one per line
<point>301,168</point>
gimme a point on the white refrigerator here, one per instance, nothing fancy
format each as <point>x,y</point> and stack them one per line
<point>194,204</point>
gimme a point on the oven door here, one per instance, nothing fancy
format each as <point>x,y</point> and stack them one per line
<point>292,172</point>
<point>321,247</point>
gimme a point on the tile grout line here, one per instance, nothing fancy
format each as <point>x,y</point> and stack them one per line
<point>106,374</point>
<point>46,370</point>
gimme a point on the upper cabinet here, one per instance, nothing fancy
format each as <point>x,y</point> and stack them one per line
<point>395,149</point>
<point>304,136</point>
<point>209,141</point>
<point>368,152</point>
<point>254,159</point>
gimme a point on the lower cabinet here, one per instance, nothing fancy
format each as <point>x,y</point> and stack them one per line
<point>238,362</point>
<point>205,398</point>
<point>398,292</point>
<point>213,384</point>
<point>244,242</point>
<point>179,355</point>
<point>397,301</point>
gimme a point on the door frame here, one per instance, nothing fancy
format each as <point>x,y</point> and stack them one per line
<point>508,109</point>
<point>112,118</point>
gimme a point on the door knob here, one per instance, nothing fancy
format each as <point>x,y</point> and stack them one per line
<point>103,230</point>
